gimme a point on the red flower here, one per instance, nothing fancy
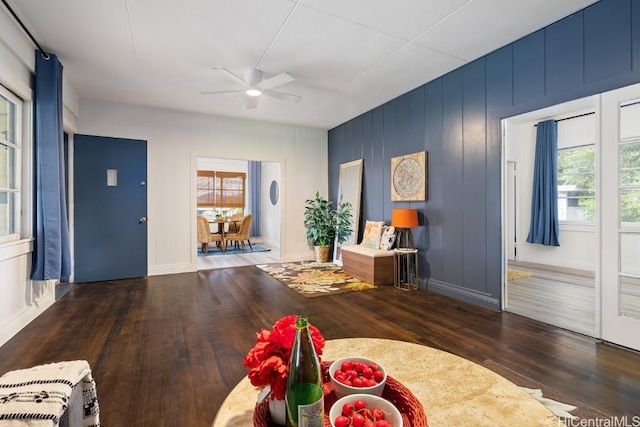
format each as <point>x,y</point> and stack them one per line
<point>268,360</point>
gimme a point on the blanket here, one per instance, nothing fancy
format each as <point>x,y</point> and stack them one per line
<point>39,396</point>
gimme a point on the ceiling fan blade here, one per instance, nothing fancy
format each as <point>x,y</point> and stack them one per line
<point>252,102</point>
<point>230,75</point>
<point>217,92</point>
<point>274,81</point>
<point>282,96</point>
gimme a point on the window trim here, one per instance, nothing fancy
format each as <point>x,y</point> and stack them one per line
<point>18,146</point>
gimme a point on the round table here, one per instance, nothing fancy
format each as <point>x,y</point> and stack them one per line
<point>452,390</point>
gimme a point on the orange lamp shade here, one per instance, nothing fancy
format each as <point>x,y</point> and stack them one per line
<point>404,218</point>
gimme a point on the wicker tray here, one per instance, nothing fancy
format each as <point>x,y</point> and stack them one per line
<point>409,406</point>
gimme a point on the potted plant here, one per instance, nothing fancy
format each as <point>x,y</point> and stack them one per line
<point>325,224</point>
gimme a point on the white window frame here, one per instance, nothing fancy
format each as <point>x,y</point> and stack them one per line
<point>17,145</point>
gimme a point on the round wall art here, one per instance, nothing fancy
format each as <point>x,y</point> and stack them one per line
<point>274,192</point>
<point>409,177</point>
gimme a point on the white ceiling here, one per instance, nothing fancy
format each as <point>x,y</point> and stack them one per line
<point>348,56</point>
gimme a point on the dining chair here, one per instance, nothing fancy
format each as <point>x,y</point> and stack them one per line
<point>242,234</point>
<point>205,236</point>
<point>235,220</point>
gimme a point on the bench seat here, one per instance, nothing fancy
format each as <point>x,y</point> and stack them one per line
<point>373,266</point>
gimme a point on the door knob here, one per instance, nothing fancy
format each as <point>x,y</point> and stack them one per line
<point>143,219</point>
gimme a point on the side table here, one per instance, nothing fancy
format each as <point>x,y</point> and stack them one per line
<point>405,268</point>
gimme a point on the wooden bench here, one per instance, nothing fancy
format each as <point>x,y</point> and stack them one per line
<point>373,266</point>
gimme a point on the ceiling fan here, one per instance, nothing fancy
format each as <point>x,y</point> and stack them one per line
<point>256,87</point>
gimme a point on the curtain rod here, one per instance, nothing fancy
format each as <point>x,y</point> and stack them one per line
<point>44,53</point>
<point>572,117</point>
<point>592,112</point>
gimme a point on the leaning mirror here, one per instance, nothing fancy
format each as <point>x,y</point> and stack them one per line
<point>349,190</point>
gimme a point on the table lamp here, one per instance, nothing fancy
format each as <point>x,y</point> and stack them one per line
<point>404,219</point>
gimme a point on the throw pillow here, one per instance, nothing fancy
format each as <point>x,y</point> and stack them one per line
<point>372,234</point>
<point>388,238</point>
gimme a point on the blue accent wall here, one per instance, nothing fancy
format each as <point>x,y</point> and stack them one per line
<point>456,119</point>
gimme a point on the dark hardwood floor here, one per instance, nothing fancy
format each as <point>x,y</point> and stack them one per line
<point>166,350</point>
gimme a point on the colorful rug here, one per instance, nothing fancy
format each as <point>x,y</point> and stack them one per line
<point>513,274</point>
<point>313,279</point>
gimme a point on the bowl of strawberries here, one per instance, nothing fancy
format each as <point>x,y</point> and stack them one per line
<point>364,410</point>
<point>357,375</point>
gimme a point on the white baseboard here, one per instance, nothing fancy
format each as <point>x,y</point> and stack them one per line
<point>10,327</point>
<point>298,257</point>
<point>171,269</point>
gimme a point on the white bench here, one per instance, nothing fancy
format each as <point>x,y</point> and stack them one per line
<point>373,266</point>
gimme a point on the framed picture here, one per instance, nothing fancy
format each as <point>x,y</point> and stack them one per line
<point>409,177</point>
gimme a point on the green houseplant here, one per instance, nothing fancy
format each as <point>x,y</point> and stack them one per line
<point>325,224</point>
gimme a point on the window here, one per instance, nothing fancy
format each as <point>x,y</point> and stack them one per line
<point>10,114</point>
<point>221,189</point>
<point>205,189</point>
<point>577,184</point>
<point>577,168</point>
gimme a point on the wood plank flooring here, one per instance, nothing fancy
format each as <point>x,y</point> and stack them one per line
<point>166,350</point>
<point>560,297</point>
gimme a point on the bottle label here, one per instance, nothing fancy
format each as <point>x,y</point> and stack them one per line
<point>311,415</point>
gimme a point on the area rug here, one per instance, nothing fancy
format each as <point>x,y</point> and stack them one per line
<point>513,274</point>
<point>214,250</point>
<point>566,407</point>
<point>313,279</point>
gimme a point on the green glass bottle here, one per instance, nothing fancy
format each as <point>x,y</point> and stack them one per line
<point>304,397</point>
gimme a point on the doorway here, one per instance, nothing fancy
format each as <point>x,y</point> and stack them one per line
<point>267,243</point>
<point>621,219</point>
<point>591,283</point>
<point>555,285</point>
<point>110,208</point>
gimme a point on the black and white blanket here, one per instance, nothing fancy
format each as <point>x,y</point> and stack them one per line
<point>39,396</point>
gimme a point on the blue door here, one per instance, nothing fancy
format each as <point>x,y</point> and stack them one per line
<point>110,208</point>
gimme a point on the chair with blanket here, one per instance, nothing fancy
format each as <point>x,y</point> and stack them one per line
<point>205,236</point>
<point>59,394</point>
<point>242,234</point>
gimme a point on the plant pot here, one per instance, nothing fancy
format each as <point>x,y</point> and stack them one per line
<point>322,253</point>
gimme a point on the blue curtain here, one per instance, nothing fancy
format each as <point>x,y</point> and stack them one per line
<point>544,200</point>
<point>52,255</point>
<point>255,184</point>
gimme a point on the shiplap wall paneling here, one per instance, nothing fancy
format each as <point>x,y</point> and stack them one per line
<point>607,44</point>
<point>474,209</point>
<point>452,159</point>
<point>432,227</point>
<point>564,54</point>
<point>374,174</point>
<point>418,142</point>
<point>635,35</point>
<point>586,53</point>
<point>528,68</point>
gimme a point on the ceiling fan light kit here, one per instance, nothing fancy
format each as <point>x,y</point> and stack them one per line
<point>257,86</point>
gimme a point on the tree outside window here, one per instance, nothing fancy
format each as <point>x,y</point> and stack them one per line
<point>629,164</point>
<point>577,184</point>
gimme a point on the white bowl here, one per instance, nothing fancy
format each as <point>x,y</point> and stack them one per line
<point>372,402</point>
<point>345,390</point>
